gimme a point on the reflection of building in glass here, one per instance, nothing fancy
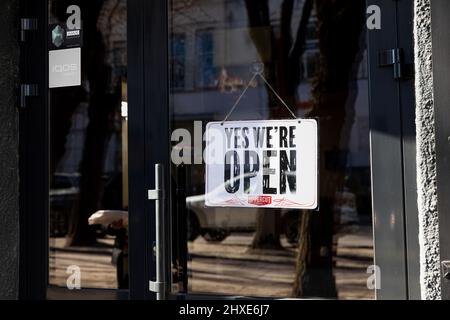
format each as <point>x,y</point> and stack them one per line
<point>212,53</point>
<point>177,60</point>
<point>214,47</point>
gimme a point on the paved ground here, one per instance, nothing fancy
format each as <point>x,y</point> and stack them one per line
<point>230,267</point>
<point>94,262</point>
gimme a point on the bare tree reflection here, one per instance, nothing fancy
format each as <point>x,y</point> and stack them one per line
<point>281,56</point>
<point>102,98</point>
<point>340,23</point>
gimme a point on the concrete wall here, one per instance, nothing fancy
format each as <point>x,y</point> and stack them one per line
<point>9,173</point>
<point>426,155</point>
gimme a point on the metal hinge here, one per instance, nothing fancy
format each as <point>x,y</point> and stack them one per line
<point>26,91</point>
<point>392,58</point>
<point>27,24</point>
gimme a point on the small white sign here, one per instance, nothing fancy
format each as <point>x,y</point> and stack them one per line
<point>64,68</point>
<point>270,164</point>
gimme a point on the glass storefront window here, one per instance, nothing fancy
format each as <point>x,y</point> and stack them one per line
<point>315,59</point>
<point>88,146</point>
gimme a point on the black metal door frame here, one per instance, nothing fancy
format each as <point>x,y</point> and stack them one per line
<point>393,156</point>
<point>33,160</point>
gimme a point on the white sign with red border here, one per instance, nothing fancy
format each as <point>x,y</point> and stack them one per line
<point>269,164</point>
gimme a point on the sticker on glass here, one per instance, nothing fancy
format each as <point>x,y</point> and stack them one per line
<point>65,42</point>
<point>269,164</point>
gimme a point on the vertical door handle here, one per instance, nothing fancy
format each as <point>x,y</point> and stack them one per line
<point>161,285</point>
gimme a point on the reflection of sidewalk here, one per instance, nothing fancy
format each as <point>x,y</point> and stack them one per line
<point>354,255</point>
<point>94,263</point>
<point>231,268</point>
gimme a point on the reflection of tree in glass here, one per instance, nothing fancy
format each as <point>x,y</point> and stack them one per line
<point>282,59</point>
<point>101,91</point>
<point>340,26</point>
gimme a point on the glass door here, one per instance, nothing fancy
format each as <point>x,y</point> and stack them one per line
<point>312,58</point>
<point>88,138</point>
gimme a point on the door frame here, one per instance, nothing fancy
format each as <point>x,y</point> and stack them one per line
<point>33,159</point>
<point>393,155</point>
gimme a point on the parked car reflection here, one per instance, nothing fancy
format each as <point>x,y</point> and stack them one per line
<point>216,224</point>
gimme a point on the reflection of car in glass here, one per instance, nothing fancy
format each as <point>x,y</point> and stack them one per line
<point>62,197</point>
<point>215,224</point>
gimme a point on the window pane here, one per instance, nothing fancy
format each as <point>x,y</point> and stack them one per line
<point>88,147</point>
<point>314,56</point>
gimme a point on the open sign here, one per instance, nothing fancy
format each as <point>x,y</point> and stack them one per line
<point>271,163</point>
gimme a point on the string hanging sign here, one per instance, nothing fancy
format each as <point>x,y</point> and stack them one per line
<point>262,163</point>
